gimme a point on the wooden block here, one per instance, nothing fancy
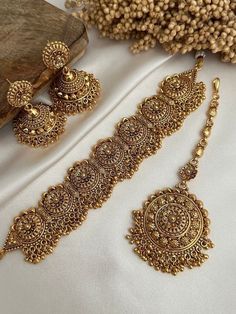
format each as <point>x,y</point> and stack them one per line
<point>25,28</point>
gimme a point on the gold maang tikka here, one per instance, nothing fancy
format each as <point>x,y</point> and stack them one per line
<point>36,125</point>
<point>72,91</point>
<point>171,231</point>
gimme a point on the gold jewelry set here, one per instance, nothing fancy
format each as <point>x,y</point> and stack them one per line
<point>72,92</point>
<point>171,231</point>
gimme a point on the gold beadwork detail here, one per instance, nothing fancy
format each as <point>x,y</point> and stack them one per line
<point>199,151</point>
<point>39,129</point>
<point>35,125</point>
<point>20,93</point>
<point>171,231</point>
<point>212,112</point>
<point>89,183</point>
<point>75,91</point>
<point>72,91</point>
<point>180,27</point>
<point>171,235</point>
<point>207,132</point>
<point>56,55</point>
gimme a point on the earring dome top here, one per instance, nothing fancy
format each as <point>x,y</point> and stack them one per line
<point>20,93</point>
<point>56,55</point>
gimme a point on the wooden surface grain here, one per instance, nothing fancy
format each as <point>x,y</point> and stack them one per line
<point>25,28</point>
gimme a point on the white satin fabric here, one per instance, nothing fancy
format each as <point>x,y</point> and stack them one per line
<point>93,270</point>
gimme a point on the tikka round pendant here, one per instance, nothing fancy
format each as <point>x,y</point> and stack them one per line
<point>171,231</point>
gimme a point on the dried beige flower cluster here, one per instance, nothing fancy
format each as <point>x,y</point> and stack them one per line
<point>179,26</point>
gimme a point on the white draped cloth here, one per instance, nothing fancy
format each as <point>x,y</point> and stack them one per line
<point>94,270</point>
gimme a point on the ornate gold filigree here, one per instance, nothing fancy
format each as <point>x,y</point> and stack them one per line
<point>138,135</point>
<point>184,91</point>
<point>161,112</point>
<point>40,129</point>
<point>114,156</point>
<point>20,93</point>
<point>90,182</point>
<point>34,235</point>
<point>189,171</point>
<point>56,55</point>
<point>37,230</point>
<point>171,231</point>
<point>74,92</point>
<point>63,209</point>
<point>35,125</point>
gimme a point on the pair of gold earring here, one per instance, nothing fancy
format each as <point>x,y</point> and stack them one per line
<point>72,91</point>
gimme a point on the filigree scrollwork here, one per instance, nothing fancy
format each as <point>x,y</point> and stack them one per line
<point>171,231</point>
<point>78,94</point>
<point>90,183</point>
<point>162,113</point>
<point>184,91</point>
<point>139,136</point>
<point>63,209</point>
<point>41,129</point>
<point>113,156</point>
<point>33,234</point>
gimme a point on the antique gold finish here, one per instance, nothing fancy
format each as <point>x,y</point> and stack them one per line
<point>35,125</point>
<point>89,183</point>
<point>178,26</point>
<point>171,230</point>
<point>24,31</point>
<point>56,55</point>
<point>2,253</point>
<point>20,93</point>
<point>72,91</point>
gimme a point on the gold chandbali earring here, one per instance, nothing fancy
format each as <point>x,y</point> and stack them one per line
<point>36,125</point>
<point>72,91</point>
<point>171,230</point>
